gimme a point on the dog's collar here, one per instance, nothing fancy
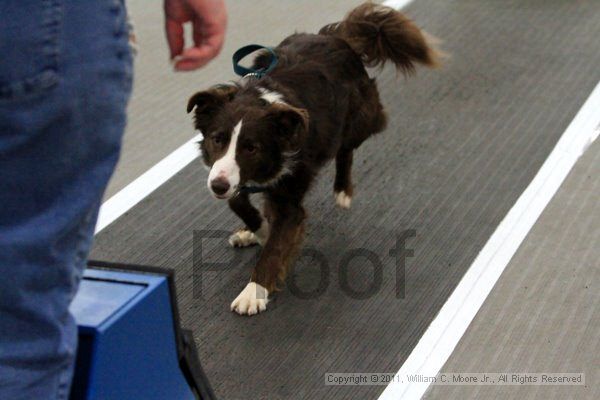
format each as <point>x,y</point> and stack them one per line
<point>249,72</point>
<point>244,189</point>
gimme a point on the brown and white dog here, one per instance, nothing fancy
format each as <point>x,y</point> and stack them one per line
<point>277,132</point>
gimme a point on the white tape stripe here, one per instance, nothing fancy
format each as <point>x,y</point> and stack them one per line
<point>397,4</point>
<point>137,190</point>
<point>442,336</point>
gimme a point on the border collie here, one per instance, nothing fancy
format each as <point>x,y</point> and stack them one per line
<point>274,133</point>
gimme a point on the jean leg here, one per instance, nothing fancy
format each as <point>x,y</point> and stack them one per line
<point>63,94</point>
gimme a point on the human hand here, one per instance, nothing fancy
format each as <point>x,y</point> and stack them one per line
<point>209,20</point>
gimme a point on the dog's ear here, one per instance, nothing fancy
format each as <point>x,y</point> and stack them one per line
<point>213,97</point>
<point>208,102</point>
<point>290,122</point>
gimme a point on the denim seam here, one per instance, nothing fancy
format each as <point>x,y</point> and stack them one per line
<point>64,381</point>
<point>120,31</point>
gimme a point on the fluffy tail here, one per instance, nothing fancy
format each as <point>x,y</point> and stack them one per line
<point>378,33</point>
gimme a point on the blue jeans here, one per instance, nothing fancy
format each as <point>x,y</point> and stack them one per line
<point>65,79</point>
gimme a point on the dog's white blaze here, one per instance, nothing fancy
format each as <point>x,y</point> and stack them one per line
<point>252,300</point>
<point>227,166</point>
<point>271,96</point>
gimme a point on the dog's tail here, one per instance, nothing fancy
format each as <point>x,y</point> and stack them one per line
<point>378,33</point>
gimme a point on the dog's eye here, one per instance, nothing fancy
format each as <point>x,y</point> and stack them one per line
<point>218,139</point>
<point>250,148</point>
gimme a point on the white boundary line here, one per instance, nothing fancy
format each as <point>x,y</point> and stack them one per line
<point>442,336</point>
<point>397,4</point>
<point>148,182</point>
<point>152,179</point>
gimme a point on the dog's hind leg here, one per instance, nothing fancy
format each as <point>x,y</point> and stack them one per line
<point>342,186</point>
<point>257,227</point>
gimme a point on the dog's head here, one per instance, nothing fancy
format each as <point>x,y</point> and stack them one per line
<point>250,136</point>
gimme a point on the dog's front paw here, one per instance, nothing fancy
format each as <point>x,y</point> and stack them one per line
<point>343,200</point>
<point>252,300</point>
<point>243,238</point>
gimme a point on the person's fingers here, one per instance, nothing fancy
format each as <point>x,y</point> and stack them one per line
<point>208,40</point>
<point>195,57</point>
<point>174,32</point>
<point>211,37</point>
<point>209,21</point>
<point>189,65</point>
<point>207,46</point>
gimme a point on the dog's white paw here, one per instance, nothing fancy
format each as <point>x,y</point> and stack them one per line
<point>252,300</point>
<point>343,200</point>
<point>245,237</point>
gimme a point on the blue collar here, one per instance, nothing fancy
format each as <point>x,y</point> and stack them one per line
<point>246,50</point>
<point>251,189</point>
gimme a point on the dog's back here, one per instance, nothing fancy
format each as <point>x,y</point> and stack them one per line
<point>326,73</point>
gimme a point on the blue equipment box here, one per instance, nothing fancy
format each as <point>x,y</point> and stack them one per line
<point>131,345</point>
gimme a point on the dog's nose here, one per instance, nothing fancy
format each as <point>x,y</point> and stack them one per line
<point>219,186</point>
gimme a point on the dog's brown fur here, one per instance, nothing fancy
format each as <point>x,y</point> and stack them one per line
<point>379,35</point>
<point>330,107</point>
